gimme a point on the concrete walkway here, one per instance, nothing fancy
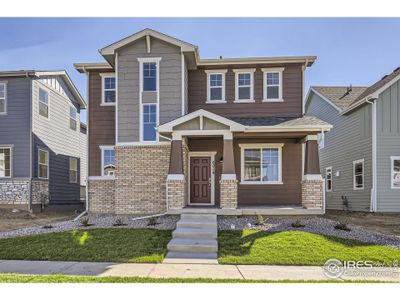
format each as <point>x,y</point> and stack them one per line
<point>184,271</point>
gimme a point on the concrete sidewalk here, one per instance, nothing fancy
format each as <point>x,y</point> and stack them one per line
<point>254,272</point>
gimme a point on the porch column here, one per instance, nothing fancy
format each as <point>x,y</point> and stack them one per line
<point>175,193</point>
<point>228,182</point>
<point>312,186</point>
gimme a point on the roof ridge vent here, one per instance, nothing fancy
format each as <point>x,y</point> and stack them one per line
<point>395,70</point>
<point>384,77</point>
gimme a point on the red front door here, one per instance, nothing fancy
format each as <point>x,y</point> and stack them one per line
<point>200,180</point>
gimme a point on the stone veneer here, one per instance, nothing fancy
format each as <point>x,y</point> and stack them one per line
<point>312,193</point>
<point>140,179</point>
<point>40,192</point>
<point>14,191</point>
<point>229,193</point>
<point>101,194</point>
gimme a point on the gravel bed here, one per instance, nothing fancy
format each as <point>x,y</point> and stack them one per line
<point>317,225</point>
<point>96,221</point>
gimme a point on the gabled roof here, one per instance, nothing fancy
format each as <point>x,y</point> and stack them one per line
<point>62,73</point>
<point>280,121</point>
<point>84,67</point>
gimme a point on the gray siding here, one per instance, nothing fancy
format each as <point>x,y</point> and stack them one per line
<point>54,134</point>
<point>388,144</point>
<point>15,126</point>
<point>83,139</point>
<point>349,140</point>
<point>128,85</point>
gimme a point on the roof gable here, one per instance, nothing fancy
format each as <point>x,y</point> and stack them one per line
<point>340,97</point>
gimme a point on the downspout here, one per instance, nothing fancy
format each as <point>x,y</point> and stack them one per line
<point>373,204</point>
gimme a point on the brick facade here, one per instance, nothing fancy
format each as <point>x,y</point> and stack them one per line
<point>101,195</point>
<point>229,193</point>
<point>312,193</point>
<point>176,193</point>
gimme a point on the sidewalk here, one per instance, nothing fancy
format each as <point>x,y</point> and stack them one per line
<point>254,272</point>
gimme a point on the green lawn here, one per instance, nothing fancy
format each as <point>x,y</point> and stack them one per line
<point>101,245</point>
<point>296,248</point>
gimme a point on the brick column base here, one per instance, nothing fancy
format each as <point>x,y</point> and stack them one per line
<point>101,196</point>
<point>229,193</point>
<point>175,193</point>
<point>312,192</point>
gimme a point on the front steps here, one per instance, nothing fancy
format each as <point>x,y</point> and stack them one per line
<point>194,240</point>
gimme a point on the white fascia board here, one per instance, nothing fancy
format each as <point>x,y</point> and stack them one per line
<point>323,98</point>
<point>288,128</point>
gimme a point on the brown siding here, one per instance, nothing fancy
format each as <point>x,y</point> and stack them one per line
<point>292,93</point>
<point>101,123</point>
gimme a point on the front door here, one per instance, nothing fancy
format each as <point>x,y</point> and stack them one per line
<point>200,180</point>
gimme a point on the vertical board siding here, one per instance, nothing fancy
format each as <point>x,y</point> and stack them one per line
<point>54,135</point>
<point>128,85</point>
<point>83,139</point>
<point>350,139</point>
<point>388,144</point>
<point>15,125</point>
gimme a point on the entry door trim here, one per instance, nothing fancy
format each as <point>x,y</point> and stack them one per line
<point>203,154</point>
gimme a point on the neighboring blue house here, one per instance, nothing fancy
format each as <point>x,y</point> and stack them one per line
<point>360,156</point>
<point>41,139</point>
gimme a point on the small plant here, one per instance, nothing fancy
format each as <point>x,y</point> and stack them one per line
<point>152,221</point>
<point>342,226</point>
<point>119,222</point>
<point>47,226</point>
<point>85,222</point>
<point>260,220</point>
<point>297,224</point>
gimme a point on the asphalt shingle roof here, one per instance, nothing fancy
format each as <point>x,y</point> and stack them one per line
<point>282,121</point>
<point>339,95</point>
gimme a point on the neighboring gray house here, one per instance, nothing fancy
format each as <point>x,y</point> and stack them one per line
<point>40,139</point>
<point>360,156</point>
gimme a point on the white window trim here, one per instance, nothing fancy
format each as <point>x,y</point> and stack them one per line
<point>142,60</point>
<point>244,71</point>
<point>76,118</point>
<point>326,179</point>
<point>5,98</point>
<point>102,148</point>
<point>76,181</point>
<point>215,72</point>
<point>11,159</point>
<point>392,159</point>
<point>103,77</point>
<point>47,90</point>
<point>47,163</point>
<point>243,147</point>
<point>354,175</point>
<point>142,127</point>
<point>272,70</point>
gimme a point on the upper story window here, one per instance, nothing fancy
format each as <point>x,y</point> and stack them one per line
<point>43,164</point>
<point>149,122</point>
<point>108,89</point>
<point>5,162</point>
<point>328,179</point>
<point>3,98</point>
<point>73,170</point>
<point>72,118</point>
<point>261,163</point>
<point>215,86</point>
<point>244,85</point>
<point>107,161</point>
<point>149,77</point>
<point>273,84</point>
<point>358,174</point>
<point>43,103</point>
<point>395,167</point>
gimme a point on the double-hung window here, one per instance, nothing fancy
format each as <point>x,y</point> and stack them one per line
<point>328,179</point>
<point>273,84</point>
<point>3,98</point>
<point>43,164</point>
<point>109,89</point>
<point>244,85</point>
<point>358,174</point>
<point>43,103</point>
<point>73,170</point>
<point>5,162</point>
<point>216,86</point>
<point>149,77</point>
<point>149,120</point>
<point>395,176</point>
<point>261,163</point>
<point>107,161</point>
<point>72,118</point>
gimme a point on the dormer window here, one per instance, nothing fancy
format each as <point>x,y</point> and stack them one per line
<point>216,86</point>
<point>108,89</point>
<point>273,84</point>
<point>244,85</point>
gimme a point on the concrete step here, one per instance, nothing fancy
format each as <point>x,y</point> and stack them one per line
<point>201,257</point>
<point>192,245</point>
<point>211,217</point>
<point>196,223</point>
<point>195,233</point>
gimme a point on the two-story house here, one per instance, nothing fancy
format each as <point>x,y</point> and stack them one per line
<point>170,132</point>
<point>41,139</point>
<point>360,156</point>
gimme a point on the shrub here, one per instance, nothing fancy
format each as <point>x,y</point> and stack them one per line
<point>119,222</point>
<point>297,224</point>
<point>152,221</point>
<point>342,226</point>
<point>85,222</point>
<point>260,220</point>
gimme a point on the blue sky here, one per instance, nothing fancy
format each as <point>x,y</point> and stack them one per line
<point>355,51</point>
